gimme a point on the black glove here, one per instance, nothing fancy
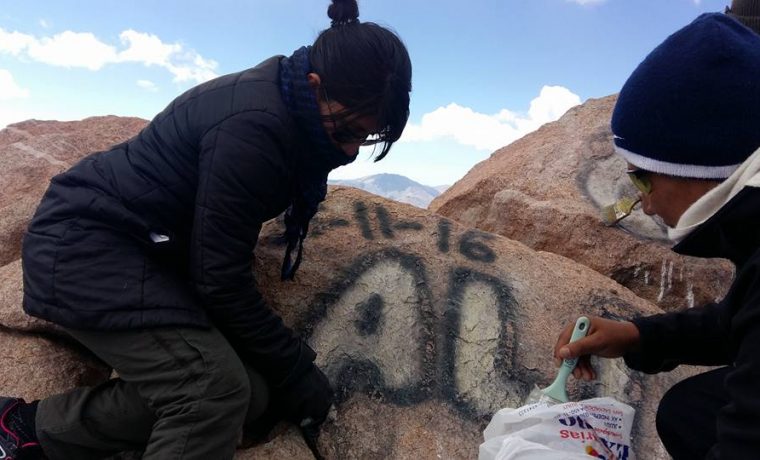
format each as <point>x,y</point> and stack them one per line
<point>304,401</point>
<point>303,397</point>
<point>307,399</point>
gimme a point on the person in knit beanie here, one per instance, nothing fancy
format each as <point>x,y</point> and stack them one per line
<point>687,122</point>
<point>747,12</point>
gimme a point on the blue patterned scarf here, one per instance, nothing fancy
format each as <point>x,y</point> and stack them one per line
<point>313,164</point>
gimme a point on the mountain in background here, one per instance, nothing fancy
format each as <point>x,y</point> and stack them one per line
<point>395,187</point>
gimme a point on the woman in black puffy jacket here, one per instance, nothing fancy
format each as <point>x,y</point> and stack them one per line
<point>143,253</point>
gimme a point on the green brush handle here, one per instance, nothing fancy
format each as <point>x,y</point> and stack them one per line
<point>557,389</point>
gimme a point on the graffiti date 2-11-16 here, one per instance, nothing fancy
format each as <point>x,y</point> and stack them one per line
<point>471,244</point>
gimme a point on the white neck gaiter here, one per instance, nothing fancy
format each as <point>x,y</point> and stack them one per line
<point>747,175</point>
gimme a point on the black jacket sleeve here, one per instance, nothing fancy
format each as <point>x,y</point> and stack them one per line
<point>242,173</point>
<point>693,336</point>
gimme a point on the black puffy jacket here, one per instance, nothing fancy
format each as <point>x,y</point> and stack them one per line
<point>160,230</point>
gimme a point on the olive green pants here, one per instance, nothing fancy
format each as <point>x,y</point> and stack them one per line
<point>182,393</point>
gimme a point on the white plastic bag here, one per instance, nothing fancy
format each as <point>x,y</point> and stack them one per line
<point>594,428</point>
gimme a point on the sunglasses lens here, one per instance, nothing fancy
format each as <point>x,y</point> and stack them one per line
<point>347,136</point>
<point>372,140</point>
<point>640,182</point>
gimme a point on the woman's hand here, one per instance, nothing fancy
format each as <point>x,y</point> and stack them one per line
<point>606,338</point>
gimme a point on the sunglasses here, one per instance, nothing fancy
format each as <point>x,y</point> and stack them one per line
<point>640,180</point>
<point>346,134</point>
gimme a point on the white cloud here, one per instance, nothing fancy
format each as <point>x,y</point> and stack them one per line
<point>491,132</point>
<point>8,87</point>
<point>147,85</point>
<point>84,50</point>
<point>72,49</point>
<point>146,48</point>
<point>587,2</point>
<point>185,65</point>
<point>191,66</point>
<point>14,42</point>
<point>44,24</point>
<point>552,102</point>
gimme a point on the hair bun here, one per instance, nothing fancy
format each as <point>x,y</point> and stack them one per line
<point>343,12</point>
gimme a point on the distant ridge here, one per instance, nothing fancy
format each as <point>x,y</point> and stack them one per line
<point>394,186</point>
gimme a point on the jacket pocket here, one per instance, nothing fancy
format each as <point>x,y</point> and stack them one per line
<point>97,269</point>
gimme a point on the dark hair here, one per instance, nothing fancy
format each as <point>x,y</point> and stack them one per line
<point>366,68</point>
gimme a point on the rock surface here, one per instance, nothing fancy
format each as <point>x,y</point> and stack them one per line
<point>35,367</point>
<point>425,327</point>
<point>547,189</point>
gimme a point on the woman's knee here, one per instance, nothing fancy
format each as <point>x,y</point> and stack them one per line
<point>687,413</point>
<point>223,384</point>
<point>670,409</point>
<point>229,391</point>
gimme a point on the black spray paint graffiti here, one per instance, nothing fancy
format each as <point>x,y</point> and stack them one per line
<point>472,244</point>
<point>380,330</point>
<point>391,351</point>
<point>478,353</point>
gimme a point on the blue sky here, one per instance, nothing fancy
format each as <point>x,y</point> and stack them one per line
<point>485,71</point>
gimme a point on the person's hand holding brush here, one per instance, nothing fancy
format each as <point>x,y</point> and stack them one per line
<point>606,338</point>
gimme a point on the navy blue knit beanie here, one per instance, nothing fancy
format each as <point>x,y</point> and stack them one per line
<point>692,107</point>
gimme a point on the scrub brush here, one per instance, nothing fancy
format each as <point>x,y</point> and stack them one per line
<point>556,392</point>
<point>622,208</point>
